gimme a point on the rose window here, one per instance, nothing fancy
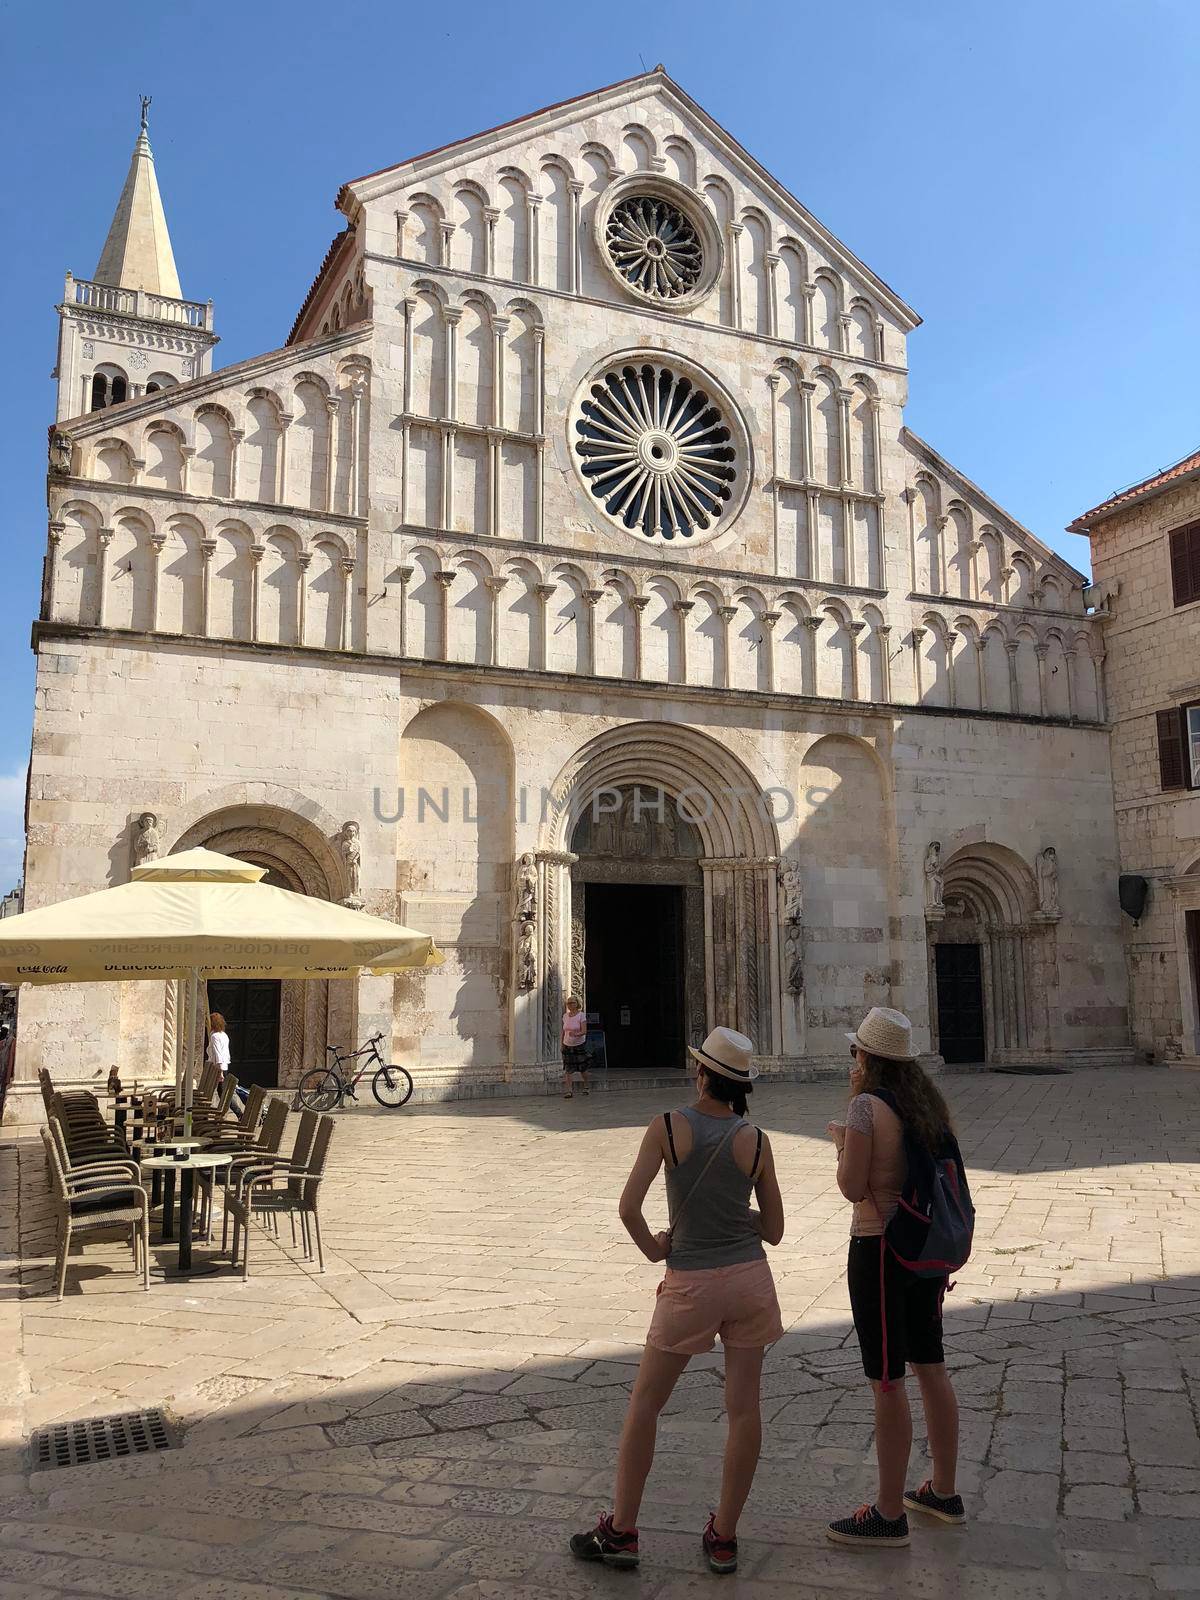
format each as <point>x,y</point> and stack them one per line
<point>654,246</point>
<point>656,451</point>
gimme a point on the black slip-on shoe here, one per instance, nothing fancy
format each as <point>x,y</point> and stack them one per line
<point>605,1543</point>
<point>949,1508</point>
<point>869,1531</point>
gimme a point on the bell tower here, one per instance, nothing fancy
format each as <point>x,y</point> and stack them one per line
<point>127,330</point>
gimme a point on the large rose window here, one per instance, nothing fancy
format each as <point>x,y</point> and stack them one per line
<point>658,452</point>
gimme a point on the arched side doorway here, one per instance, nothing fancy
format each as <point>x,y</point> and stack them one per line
<point>726,860</point>
<point>278,1028</point>
<point>991,960</point>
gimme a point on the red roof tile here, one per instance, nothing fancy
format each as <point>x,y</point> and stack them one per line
<point>1137,491</point>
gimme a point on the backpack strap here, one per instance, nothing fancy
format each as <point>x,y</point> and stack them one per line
<point>757,1153</point>
<point>738,1122</point>
<point>670,1138</point>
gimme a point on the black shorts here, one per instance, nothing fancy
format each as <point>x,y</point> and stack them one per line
<point>914,1311</point>
<point>575,1058</point>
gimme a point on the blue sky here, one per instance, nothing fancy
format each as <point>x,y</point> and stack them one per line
<point>1023,174</point>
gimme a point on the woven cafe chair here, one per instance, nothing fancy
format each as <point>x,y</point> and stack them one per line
<point>90,1200</point>
<point>257,1191</point>
<point>267,1142</point>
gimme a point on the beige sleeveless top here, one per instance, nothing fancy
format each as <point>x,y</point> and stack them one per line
<point>883,1127</point>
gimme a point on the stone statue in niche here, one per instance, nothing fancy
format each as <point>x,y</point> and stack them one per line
<point>666,841</point>
<point>350,849</point>
<point>792,888</point>
<point>635,823</point>
<point>935,882</point>
<point>146,845</point>
<point>60,455</point>
<point>1047,882</point>
<point>526,887</point>
<point>793,961</point>
<point>527,958</point>
<point>604,830</point>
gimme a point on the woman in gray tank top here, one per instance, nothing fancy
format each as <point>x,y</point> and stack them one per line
<point>717,1281</point>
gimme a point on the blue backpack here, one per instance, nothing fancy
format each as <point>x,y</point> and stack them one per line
<point>931,1232</point>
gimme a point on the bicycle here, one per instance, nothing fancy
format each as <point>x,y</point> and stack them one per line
<point>323,1088</point>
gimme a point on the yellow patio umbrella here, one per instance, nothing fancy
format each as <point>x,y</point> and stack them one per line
<point>198,915</point>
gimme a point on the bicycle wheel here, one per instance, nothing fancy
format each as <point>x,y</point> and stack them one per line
<point>319,1090</point>
<point>392,1086</point>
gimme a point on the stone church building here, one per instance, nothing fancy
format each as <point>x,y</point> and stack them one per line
<point>575,548</point>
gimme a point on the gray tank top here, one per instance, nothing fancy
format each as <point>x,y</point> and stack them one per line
<point>715,1229</point>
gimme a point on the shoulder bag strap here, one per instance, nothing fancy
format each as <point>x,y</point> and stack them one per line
<point>671,1138</point>
<point>738,1123</point>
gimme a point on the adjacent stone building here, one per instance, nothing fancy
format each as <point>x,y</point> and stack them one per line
<point>575,549</point>
<point>1146,566</point>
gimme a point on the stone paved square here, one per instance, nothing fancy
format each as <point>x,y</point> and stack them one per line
<point>432,1416</point>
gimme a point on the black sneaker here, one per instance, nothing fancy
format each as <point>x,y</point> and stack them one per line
<point>869,1530</point>
<point>605,1543</point>
<point>948,1507</point>
<point>721,1552</point>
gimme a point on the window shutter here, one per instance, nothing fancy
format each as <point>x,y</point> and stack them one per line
<point>1170,749</point>
<point>1185,564</point>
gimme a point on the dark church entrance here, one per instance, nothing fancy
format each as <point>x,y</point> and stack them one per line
<point>961,1031</point>
<point>635,965</point>
<point>250,1007</point>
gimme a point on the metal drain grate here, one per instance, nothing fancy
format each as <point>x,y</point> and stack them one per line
<point>75,1444</point>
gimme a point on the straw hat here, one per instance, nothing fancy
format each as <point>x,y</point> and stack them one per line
<point>885,1033</point>
<point>727,1053</point>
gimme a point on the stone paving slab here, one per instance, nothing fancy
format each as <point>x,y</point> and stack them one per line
<point>435,1413</point>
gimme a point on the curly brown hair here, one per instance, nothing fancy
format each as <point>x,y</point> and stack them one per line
<point>922,1107</point>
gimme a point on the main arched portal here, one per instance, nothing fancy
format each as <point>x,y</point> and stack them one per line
<point>659,893</point>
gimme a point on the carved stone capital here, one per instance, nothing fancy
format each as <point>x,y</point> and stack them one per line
<point>727,613</point>
<point>918,634</point>
<point>105,536</point>
<point>682,607</point>
<point>491,214</point>
<point>257,552</point>
<point>208,548</point>
<point>544,590</point>
<point>57,529</point>
<point>813,624</point>
<point>404,574</point>
<point>593,596</point>
<point>304,560</point>
<point>855,628</point>
<point>769,618</point>
<point>452,316</point>
<point>639,602</point>
<point>445,577</point>
<point>494,585</point>
<point>347,564</point>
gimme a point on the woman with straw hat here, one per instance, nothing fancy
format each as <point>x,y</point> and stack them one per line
<point>717,1281</point>
<point>897,1315</point>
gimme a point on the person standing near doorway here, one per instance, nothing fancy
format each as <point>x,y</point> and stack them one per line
<point>218,1051</point>
<point>718,1281</point>
<point>574,1047</point>
<point>897,1314</point>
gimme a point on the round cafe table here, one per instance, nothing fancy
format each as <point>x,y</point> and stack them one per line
<point>196,1161</point>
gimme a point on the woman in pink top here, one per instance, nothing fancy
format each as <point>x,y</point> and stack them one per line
<point>897,1315</point>
<point>574,1046</point>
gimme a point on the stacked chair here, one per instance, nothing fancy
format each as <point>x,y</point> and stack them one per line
<point>99,1195</point>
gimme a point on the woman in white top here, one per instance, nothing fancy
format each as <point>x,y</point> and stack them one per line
<point>218,1051</point>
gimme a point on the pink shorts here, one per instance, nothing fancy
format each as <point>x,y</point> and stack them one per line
<point>738,1302</point>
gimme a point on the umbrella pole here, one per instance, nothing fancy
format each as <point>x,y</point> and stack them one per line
<point>193,1034</point>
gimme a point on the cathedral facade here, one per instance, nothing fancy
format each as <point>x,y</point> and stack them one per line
<point>569,587</point>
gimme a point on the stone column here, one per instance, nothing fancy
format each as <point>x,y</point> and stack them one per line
<point>591,598</point>
<point>57,529</point>
<point>186,452</point>
<point>533,206</point>
<point>773,383</point>
<point>1069,669</point>
<point>491,215</point>
<point>807,390</point>
<point>1014,690</point>
<point>1007,574</point>
<point>1101,696</point>
<point>347,565</point>
<point>844,332</point>
<point>104,539</point>
<point>1039,651</point>
<point>445,234</point>
<point>981,674</point>
<point>208,549</point>
<point>772,295</point>
<point>401,223</point>
<point>257,552</point>
<point>444,579</point>
<point>943,523</point>
<point>768,619</point>
<point>726,614</point>
<point>500,327</point>
<point>494,482</point>
<point>638,604</point>
<point>285,422</point>
<point>494,587</point>
<point>543,591</point>
<point>576,189</point>
<point>844,397</point>
<point>683,609</point>
<point>404,574</point>
<point>540,1028</point>
<point>918,635</point>
<point>854,629</point>
<point>331,406</point>
<point>303,561</point>
<point>451,316</point>
<point>951,641</point>
<point>884,634</point>
<point>410,305</point>
<point>236,436</point>
<point>973,549</point>
<point>736,229</point>
<point>449,435</point>
<point>357,392</point>
<point>810,294</point>
<point>539,412</point>
<point>813,628</point>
